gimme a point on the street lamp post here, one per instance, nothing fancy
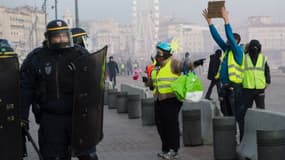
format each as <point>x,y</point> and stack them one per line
<point>76,14</point>
<point>45,10</point>
<point>55,8</point>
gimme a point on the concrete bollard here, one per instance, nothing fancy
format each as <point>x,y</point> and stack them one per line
<point>191,124</point>
<point>224,129</point>
<point>147,109</point>
<point>270,144</point>
<point>207,109</point>
<point>112,96</point>
<point>134,105</point>
<point>106,102</point>
<point>122,106</point>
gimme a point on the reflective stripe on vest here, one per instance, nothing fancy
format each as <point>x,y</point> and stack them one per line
<point>7,55</point>
<point>235,70</point>
<point>163,78</point>
<point>254,76</point>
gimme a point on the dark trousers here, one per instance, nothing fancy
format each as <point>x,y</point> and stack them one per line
<point>166,119</point>
<point>231,104</point>
<point>254,95</point>
<point>249,96</point>
<point>129,71</point>
<point>211,86</point>
<point>55,138</point>
<point>113,79</point>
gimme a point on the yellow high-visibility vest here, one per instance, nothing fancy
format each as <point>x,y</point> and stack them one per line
<point>235,70</point>
<point>254,76</point>
<point>163,78</point>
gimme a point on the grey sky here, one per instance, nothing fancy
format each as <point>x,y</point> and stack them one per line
<point>190,10</point>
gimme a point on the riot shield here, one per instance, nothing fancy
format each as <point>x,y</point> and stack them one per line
<point>10,129</point>
<point>89,83</point>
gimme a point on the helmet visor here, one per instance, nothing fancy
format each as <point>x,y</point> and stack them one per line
<point>60,39</point>
<point>5,46</point>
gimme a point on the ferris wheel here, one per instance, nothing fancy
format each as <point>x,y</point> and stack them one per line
<point>145,26</point>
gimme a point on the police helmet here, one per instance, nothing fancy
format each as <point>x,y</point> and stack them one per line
<point>55,28</point>
<point>5,46</point>
<point>79,36</point>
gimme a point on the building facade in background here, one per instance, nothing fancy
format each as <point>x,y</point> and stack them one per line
<point>193,38</point>
<point>67,17</point>
<point>105,32</point>
<point>145,22</point>
<point>269,33</point>
<point>24,27</point>
<point>117,36</point>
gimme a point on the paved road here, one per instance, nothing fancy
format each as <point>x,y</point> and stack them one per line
<point>126,139</point>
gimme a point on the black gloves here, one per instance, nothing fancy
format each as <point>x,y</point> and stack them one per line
<point>199,62</point>
<point>24,124</point>
<point>144,79</point>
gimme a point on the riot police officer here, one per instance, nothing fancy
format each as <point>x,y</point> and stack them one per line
<point>79,36</point>
<point>47,78</point>
<point>11,146</point>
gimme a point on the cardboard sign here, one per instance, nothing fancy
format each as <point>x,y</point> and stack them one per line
<point>214,9</point>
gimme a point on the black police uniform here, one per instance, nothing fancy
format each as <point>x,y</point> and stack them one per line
<point>47,76</point>
<point>12,139</point>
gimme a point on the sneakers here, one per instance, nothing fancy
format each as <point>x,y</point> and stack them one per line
<point>171,155</point>
<point>162,154</point>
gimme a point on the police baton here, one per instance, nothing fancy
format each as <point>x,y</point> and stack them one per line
<point>33,144</point>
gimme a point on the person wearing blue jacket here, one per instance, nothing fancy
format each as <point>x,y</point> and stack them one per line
<point>230,71</point>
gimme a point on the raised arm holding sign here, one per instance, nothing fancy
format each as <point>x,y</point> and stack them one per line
<point>230,71</point>
<point>214,8</point>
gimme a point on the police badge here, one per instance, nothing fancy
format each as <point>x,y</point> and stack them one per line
<point>59,23</point>
<point>48,68</point>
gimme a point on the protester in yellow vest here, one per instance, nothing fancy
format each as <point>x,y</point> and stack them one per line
<point>167,106</point>
<point>256,76</point>
<point>230,72</point>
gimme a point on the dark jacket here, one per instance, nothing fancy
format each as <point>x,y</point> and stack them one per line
<point>46,76</point>
<point>213,66</point>
<point>113,68</point>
